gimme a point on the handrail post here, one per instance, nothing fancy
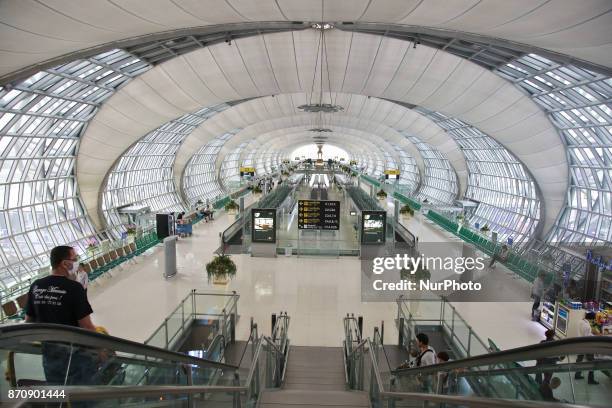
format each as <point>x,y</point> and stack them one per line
<point>166,331</point>
<point>469,342</point>
<point>401,332</point>
<point>236,395</point>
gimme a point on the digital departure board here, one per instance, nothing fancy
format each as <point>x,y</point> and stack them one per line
<point>373,227</point>
<point>263,225</point>
<point>323,215</point>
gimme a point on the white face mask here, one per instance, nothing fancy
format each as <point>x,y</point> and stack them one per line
<point>74,269</point>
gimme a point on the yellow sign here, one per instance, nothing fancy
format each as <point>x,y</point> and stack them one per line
<point>392,172</point>
<point>247,169</point>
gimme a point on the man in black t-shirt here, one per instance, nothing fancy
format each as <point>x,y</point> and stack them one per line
<point>60,300</point>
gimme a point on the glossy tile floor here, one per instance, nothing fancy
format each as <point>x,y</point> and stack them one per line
<point>316,292</point>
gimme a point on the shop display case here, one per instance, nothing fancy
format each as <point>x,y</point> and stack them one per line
<point>605,290</point>
<point>567,321</point>
<point>548,315</point>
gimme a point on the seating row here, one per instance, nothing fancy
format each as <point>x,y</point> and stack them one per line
<point>96,267</point>
<point>514,262</point>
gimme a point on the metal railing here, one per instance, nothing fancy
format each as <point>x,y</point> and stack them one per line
<point>222,307</point>
<point>375,376</point>
<point>459,333</point>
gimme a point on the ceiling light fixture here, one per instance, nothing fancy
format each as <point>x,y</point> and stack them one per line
<point>319,106</point>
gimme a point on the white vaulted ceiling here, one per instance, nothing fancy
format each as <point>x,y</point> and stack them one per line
<point>35,31</point>
<point>359,64</point>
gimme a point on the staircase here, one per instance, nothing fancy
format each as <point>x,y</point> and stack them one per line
<point>314,378</point>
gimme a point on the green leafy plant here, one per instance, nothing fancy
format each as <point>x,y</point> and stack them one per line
<point>256,190</point>
<point>407,210</point>
<point>221,267</point>
<point>381,194</point>
<point>231,206</point>
<point>420,274</point>
<point>131,229</point>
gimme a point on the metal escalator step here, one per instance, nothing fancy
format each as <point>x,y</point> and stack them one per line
<point>298,399</point>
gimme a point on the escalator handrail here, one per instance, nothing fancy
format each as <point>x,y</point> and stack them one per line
<point>479,402</point>
<point>86,393</point>
<point>39,332</point>
<point>576,345</point>
<point>458,400</point>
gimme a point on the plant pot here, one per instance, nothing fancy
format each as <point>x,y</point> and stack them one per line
<point>220,280</point>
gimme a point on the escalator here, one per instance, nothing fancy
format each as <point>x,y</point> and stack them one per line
<point>544,374</point>
<point>111,371</point>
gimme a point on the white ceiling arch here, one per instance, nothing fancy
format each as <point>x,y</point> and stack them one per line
<point>358,64</point>
<point>32,32</point>
<point>298,138</point>
<point>287,136</point>
<point>373,114</point>
<point>263,131</point>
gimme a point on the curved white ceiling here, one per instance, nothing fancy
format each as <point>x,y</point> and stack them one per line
<point>358,64</point>
<point>33,31</point>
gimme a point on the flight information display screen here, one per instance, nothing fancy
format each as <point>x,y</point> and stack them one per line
<point>315,214</point>
<point>373,227</point>
<point>263,221</point>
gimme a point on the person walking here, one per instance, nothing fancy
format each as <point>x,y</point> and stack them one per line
<point>536,294</point>
<point>549,335</point>
<point>60,300</point>
<point>586,330</point>
<point>82,277</point>
<point>501,256</point>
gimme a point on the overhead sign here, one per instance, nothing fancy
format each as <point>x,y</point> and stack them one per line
<point>392,172</point>
<point>263,221</point>
<point>247,169</point>
<point>323,215</point>
<point>373,227</point>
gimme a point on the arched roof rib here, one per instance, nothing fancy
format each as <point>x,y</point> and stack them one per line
<point>578,30</point>
<point>143,175</point>
<point>278,63</point>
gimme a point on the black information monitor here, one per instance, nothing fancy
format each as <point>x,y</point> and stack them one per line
<point>314,214</point>
<point>263,222</point>
<point>373,227</point>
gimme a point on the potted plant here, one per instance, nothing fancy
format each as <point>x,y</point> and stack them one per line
<point>382,195</point>
<point>92,247</point>
<point>221,269</point>
<point>231,207</point>
<point>485,229</point>
<point>407,210</point>
<point>256,190</point>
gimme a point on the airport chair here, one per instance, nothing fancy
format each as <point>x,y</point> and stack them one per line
<point>10,310</point>
<point>22,302</point>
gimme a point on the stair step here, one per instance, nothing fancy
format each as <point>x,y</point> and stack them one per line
<point>299,399</point>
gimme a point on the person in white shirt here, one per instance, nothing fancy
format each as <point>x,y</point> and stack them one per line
<point>426,357</point>
<point>536,294</point>
<point>82,277</point>
<point>585,330</point>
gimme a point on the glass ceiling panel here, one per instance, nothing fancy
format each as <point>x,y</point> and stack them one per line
<point>501,185</point>
<point>41,121</point>
<point>439,183</point>
<point>200,181</point>
<point>144,175</point>
<point>578,104</point>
